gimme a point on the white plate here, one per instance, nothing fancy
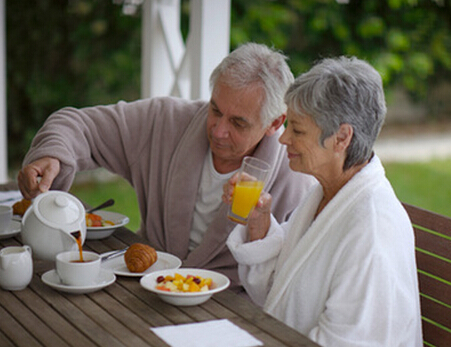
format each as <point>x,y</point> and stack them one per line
<point>96,233</point>
<point>13,229</point>
<point>52,279</point>
<point>165,261</point>
<point>220,283</point>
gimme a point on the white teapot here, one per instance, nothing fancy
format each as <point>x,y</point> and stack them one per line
<point>52,224</point>
<point>16,267</point>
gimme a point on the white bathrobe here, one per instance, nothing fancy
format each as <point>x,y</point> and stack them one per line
<point>348,277</point>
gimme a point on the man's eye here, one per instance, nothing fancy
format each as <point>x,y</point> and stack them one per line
<point>217,112</point>
<point>239,124</point>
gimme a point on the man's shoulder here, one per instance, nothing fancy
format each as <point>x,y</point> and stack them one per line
<point>176,103</point>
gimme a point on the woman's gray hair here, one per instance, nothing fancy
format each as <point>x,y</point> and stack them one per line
<point>342,91</point>
<point>255,65</point>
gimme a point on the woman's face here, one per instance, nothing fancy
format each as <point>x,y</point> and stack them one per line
<point>305,152</point>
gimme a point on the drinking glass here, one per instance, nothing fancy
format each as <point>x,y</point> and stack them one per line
<point>252,177</point>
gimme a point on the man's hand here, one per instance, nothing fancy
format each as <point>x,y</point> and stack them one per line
<point>37,177</point>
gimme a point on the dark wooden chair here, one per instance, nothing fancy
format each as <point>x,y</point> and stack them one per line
<point>433,252</point>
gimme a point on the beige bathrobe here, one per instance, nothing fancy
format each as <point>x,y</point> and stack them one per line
<point>159,146</point>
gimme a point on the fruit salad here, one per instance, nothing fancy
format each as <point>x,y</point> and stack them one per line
<point>181,284</point>
<point>94,220</point>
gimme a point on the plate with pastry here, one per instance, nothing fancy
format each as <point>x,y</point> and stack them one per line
<point>139,260</point>
<point>102,224</point>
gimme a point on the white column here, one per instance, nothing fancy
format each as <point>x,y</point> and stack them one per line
<point>168,68</point>
<point>209,42</point>
<point>3,124</point>
<point>162,46</point>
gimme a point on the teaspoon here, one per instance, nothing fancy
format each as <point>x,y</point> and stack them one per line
<point>107,203</point>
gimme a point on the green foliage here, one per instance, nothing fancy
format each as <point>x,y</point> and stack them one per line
<point>85,52</point>
<point>408,41</point>
<point>66,53</point>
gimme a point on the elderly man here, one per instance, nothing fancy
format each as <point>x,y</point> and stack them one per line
<point>177,154</point>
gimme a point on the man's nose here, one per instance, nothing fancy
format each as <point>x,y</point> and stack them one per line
<point>221,128</point>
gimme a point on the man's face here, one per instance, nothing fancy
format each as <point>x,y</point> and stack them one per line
<point>234,127</point>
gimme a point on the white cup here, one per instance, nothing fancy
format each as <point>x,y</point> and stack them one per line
<point>72,272</point>
<point>16,267</point>
<point>6,214</point>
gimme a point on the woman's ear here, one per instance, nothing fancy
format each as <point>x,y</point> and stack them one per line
<point>343,137</point>
<point>276,124</point>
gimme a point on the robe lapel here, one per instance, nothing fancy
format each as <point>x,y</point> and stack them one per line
<point>181,190</point>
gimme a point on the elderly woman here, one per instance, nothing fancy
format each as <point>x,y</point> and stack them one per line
<point>342,269</point>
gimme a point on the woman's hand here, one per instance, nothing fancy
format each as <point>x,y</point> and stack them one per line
<point>260,219</point>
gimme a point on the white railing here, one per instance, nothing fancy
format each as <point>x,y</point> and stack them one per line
<point>172,67</point>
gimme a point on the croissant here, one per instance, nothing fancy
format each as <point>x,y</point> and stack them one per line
<point>139,257</point>
<point>21,206</point>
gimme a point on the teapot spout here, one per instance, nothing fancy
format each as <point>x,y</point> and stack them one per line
<point>76,234</point>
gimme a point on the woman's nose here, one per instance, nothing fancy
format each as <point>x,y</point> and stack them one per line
<point>284,138</point>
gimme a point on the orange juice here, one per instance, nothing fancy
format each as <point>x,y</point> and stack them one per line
<point>245,197</point>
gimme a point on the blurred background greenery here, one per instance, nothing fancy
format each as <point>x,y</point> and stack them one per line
<point>424,184</point>
<point>85,52</point>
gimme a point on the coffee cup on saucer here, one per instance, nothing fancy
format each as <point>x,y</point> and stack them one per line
<point>6,214</point>
<point>76,272</point>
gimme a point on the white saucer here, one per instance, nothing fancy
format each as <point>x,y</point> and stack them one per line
<point>13,229</point>
<point>52,279</point>
<point>165,261</point>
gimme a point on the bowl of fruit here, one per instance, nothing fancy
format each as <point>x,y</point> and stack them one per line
<point>102,224</point>
<point>185,287</point>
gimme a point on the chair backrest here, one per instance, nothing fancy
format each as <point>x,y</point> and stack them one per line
<point>433,252</point>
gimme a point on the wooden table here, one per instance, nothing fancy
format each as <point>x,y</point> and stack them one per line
<point>120,314</point>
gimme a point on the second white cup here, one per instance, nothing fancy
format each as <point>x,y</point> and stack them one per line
<point>6,213</point>
<point>72,272</point>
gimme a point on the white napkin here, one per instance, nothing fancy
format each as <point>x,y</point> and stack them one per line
<point>214,333</point>
<point>10,197</point>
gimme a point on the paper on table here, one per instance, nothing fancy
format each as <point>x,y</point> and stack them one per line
<point>10,197</point>
<point>215,333</point>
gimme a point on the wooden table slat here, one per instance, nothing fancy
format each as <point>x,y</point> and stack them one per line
<point>120,314</point>
<point>15,332</point>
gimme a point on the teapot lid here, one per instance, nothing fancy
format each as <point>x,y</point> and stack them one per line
<point>59,208</point>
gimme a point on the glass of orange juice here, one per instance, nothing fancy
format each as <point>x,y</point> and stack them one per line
<point>251,181</point>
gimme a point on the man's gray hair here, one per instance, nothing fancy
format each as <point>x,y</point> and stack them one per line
<point>342,91</point>
<point>255,65</point>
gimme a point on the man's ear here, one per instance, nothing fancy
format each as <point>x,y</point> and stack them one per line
<point>276,124</point>
<point>343,137</point>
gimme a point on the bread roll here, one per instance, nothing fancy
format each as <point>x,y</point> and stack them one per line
<point>21,206</point>
<point>139,257</point>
